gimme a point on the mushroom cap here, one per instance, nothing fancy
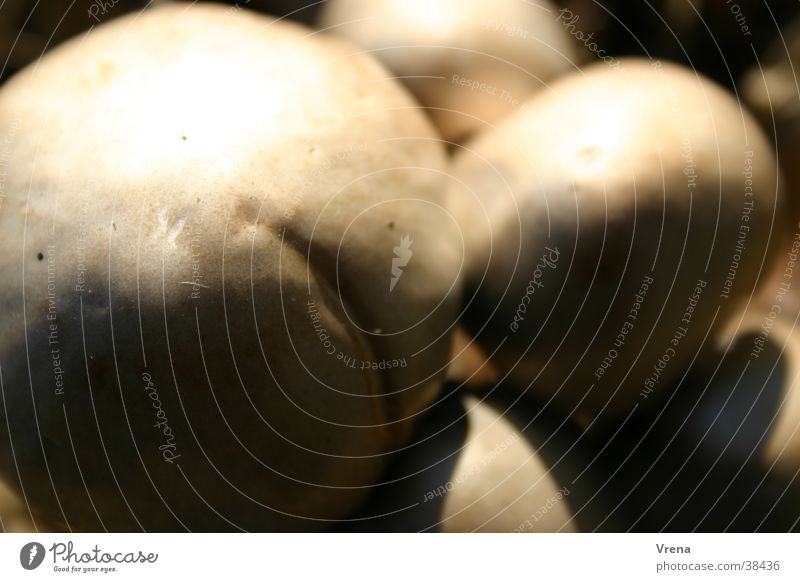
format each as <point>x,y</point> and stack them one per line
<point>616,222</point>
<point>202,326</point>
<point>471,62</point>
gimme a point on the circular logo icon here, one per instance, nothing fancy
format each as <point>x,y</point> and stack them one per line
<point>31,555</point>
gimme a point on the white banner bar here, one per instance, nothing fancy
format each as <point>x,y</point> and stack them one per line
<point>400,557</point>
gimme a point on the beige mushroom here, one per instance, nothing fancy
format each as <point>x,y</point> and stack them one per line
<point>616,222</point>
<point>501,483</point>
<point>470,61</point>
<point>228,279</point>
<point>488,466</point>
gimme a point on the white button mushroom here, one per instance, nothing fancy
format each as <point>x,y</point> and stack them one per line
<point>228,278</point>
<point>491,466</point>
<point>615,223</point>
<point>470,61</point>
<point>501,483</point>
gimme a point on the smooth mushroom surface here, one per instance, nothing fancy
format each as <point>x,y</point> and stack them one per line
<point>615,224</point>
<point>228,275</point>
<point>469,62</point>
